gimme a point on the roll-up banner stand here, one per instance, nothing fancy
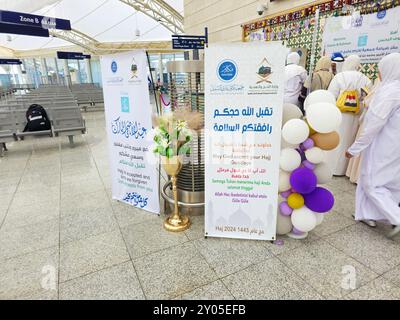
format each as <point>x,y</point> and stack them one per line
<point>244,86</point>
<point>128,119</point>
<point>370,36</point>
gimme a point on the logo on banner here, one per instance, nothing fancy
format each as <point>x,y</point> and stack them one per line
<point>357,21</point>
<point>264,84</point>
<point>363,41</point>
<point>114,67</point>
<point>227,71</point>
<point>125,104</point>
<point>381,14</point>
<point>264,72</point>
<point>134,69</point>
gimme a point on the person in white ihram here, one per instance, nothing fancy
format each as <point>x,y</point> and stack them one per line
<point>295,76</point>
<point>378,191</point>
<point>349,79</point>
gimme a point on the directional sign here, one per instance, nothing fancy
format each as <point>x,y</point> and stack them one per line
<point>188,43</point>
<point>10,61</point>
<point>34,20</point>
<point>72,55</point>
<point>23,30</point>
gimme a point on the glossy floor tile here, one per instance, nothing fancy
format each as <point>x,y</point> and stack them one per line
<point>62,236</point>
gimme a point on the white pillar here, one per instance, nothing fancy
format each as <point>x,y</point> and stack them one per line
<point>45,73</point>
<point>19,73</point>
<point>79,71</point>
<point>89,71</point>
<point>160,68</point>
<point>67,75</point>
<point>57,71</point>
<point>36,76</point>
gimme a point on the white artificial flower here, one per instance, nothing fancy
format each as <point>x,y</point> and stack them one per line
<point>181,125</point>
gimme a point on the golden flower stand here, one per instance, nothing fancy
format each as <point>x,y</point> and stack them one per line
<point>176,222</point>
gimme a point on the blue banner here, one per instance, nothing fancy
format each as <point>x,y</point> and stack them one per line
<point>10,61</point>
<point>33,20</point>
<point>23,30</point>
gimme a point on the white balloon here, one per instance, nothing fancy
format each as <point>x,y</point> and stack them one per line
<point>315,155</point>
<point>290,160</point>
<point>304,219</point>
<point>324,117</point>
<point>291,111</point>
<point>295,131</point>
<point>324,173</point>
<point>284,225</point>
<point>319,96</point>
<point>284,181</point>
<point>320,218</point>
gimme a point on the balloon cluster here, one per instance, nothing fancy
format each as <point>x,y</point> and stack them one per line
<point>304,142</point>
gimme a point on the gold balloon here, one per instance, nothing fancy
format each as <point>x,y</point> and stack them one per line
<point>326,141</point>
<point>295,201</point>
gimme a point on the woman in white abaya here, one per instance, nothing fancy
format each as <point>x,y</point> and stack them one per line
<point>295,76</point>
<point>378,191</point>
<point>349,79</point>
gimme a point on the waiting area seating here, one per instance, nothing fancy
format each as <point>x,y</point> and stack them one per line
<point>6,92</point>
<point>61,107</point>
<point>89,96</point>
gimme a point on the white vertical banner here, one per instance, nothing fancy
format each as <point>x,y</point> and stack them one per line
<point>244,102</point>
<point>128,121</point>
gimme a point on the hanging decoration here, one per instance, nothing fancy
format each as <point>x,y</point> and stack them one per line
<point>333,6</point>
<point>297,28</point>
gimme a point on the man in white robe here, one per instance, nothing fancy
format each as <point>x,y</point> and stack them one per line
<point>295,76</point>
<point>349,79</point>
<point>378,191</point>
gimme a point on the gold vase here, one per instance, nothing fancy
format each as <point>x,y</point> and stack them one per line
<point>175,222</point>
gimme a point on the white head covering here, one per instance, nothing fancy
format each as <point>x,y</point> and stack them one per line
<point>293,58</point>
<point>389,68</point>
<point>387,97</point>
<point>352,63</point>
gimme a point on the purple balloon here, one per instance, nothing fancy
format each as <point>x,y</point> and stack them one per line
<point>286,194</point>
<point>308,144</point>
<point>303,180</point>
<point>302,154</point>
<point>297,232</point>
<point>320,200</point>
<point>309,165</point>
<point>285,209</point>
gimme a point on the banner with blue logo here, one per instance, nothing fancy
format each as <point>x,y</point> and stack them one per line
<point>128,120</point>
<point>243,114</point>
<point>370,36</point>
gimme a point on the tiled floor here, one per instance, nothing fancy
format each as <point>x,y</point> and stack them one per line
<point>62,237</point>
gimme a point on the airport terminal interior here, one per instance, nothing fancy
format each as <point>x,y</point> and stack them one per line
<point>84,216</point>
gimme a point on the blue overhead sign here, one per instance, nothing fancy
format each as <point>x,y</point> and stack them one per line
<point>23,30</point>
<point>72,55</point>
<point>187,43</point>
<point>10,61</point>
<point>34,20</point>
